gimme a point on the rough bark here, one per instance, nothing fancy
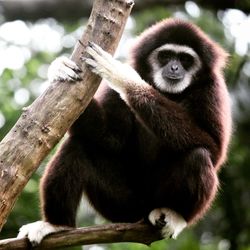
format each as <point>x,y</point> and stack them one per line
<point>136,232</point>
<point>44,122</point>
<point>63,9</point>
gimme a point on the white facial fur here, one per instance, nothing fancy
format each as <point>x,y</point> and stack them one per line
<point>160,82</point>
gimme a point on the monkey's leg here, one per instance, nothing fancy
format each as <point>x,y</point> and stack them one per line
<point>62,184</point>
<point>61,191</point>
<point>186,194</point>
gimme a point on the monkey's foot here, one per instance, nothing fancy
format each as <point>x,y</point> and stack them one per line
<point>63,69</point>
<point>170,222</point>
<point>36,231</point>
<point>119,75</point>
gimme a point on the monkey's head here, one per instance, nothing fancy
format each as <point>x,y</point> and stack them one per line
<point>173,54</point>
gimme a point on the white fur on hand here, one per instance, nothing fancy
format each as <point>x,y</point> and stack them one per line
<point>119,75</point>
<point>63,69</point>
<point>36,231</point>
<point>171,222</point>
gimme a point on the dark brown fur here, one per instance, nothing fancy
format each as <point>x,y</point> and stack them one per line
<point>159,150</point>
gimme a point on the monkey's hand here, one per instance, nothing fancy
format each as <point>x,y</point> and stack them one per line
<point>64,69</point>
<point>36,231</point>
<point>120,76</point>
<point>170,222</point>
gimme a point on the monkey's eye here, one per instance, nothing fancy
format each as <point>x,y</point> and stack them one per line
<point>164,56</point>
<point>186,60</point>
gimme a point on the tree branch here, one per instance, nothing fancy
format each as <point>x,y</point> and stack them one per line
<point>44,122</point>
<point>125,232</point>
<point>63,9</point>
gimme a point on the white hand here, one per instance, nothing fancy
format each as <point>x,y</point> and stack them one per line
<point>63,69</point>
<point>120,76</point>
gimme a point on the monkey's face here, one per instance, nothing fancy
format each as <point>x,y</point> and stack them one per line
<point>173,67</point>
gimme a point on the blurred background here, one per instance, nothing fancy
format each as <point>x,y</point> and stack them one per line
<point>33,33</point>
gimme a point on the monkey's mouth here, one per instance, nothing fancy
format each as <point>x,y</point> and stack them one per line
<point>174,80</point>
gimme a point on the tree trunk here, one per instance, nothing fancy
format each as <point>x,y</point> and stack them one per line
<point>44,122</point>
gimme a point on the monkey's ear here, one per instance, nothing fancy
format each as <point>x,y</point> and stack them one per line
<point>213,55</point>
<point>222,57</point>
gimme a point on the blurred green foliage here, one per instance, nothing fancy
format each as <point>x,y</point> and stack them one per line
<point>227,224</point>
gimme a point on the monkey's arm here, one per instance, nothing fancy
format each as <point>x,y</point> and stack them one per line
<point>99,122</point>
<point>102,128</point>
<point>161,115</point>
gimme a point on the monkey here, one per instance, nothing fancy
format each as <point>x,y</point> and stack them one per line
<point>152,140</point>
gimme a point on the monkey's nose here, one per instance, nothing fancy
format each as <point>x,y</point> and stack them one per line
<point>174,67</point>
